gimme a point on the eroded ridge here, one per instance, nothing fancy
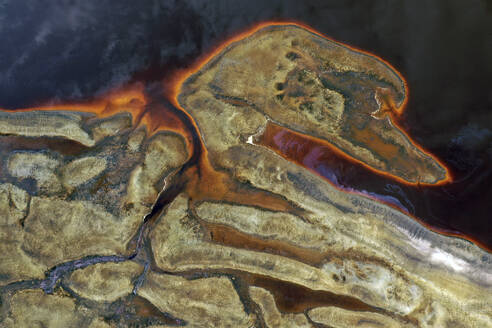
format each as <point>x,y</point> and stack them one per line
<point>110,220</point>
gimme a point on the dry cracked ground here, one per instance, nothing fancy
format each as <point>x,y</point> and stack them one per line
<point>104,224</point>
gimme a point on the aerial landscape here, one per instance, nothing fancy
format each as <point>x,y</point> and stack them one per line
<point>272,181</point>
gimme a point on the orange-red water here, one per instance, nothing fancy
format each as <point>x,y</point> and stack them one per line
<point>160,110</point>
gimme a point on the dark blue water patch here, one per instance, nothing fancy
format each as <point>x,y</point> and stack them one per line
<point>140,280</point>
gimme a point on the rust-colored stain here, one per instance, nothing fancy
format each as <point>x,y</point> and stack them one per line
<point>388,107</point>
<point>127,99</point>
<point>224,235</point>
<point>289,150</point>
<point>204,181</point>
<point>370,137</point>
<point>157,117</point>
<point>292,298</point>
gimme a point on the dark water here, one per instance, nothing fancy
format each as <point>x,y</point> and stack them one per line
<point>74,50</point>
<point>444,208</point>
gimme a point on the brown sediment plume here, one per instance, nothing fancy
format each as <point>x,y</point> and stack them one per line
<point>145,309</point>
<point>65,147</point>
<point>224,235</point>
<point>292,298</point>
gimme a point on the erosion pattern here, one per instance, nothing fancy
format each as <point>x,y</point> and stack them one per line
<point>107,224</point>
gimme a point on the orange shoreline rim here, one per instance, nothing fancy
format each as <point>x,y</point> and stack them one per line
<point>181,76</point>
<point>173,88</point>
